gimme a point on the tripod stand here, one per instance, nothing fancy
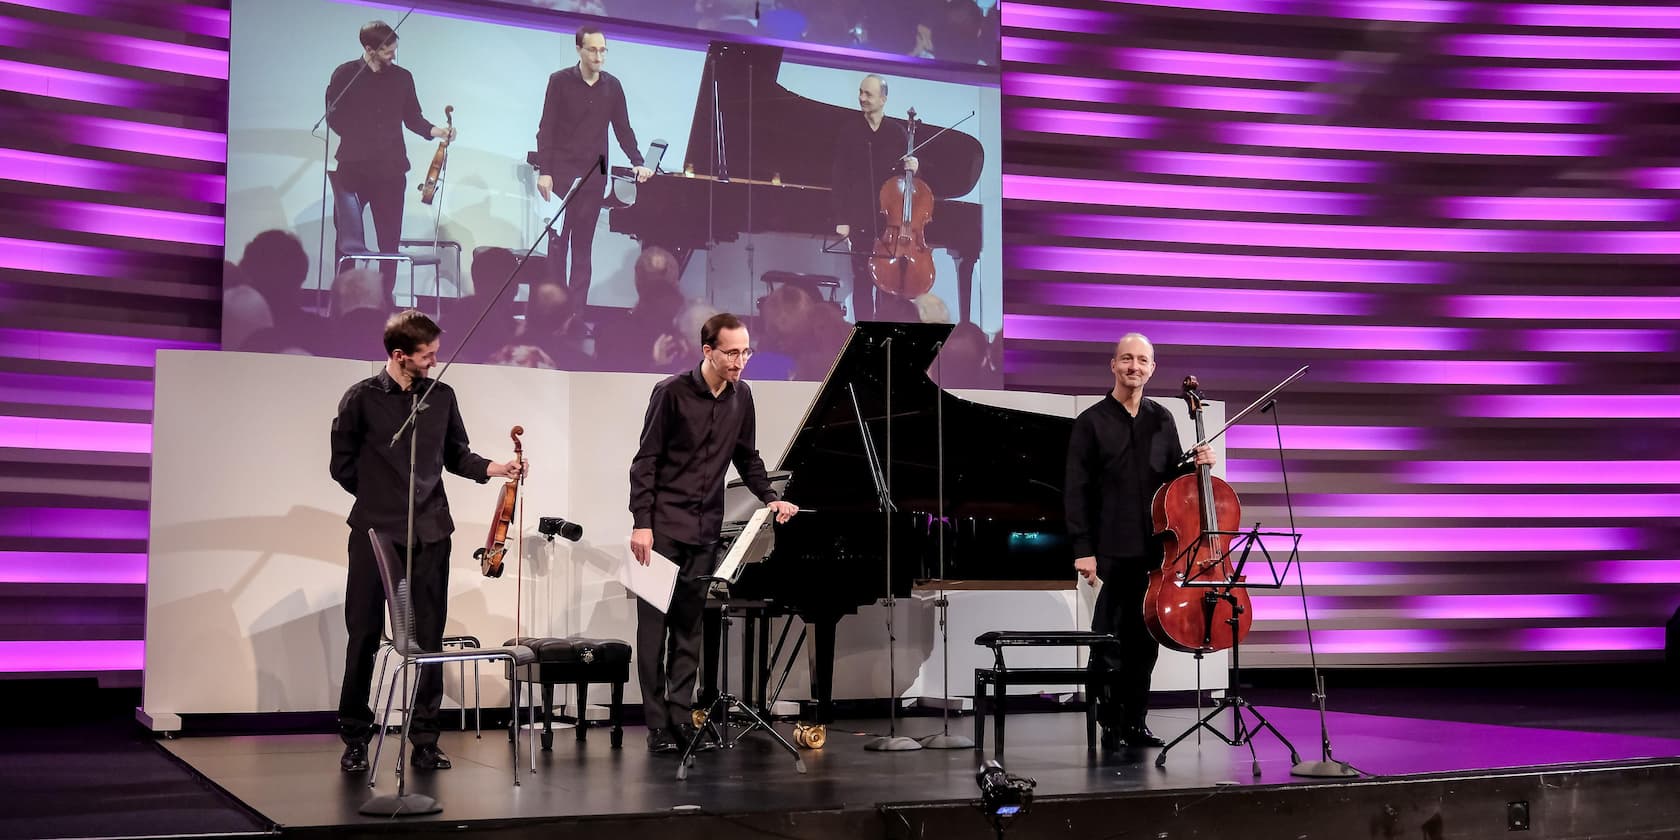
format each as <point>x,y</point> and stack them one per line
<point>1241,733</point>
<point>726,703</point>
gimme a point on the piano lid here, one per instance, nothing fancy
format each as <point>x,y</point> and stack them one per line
<point>770,131</point>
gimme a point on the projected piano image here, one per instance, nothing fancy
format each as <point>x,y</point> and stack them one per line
<point>759,160</point>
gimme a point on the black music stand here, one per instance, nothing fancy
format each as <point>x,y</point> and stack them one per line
<point>751,546</point>
<point>1215,590</point>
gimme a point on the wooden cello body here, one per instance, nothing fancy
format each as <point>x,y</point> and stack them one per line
<point>903,262</point>
<point>1183,608</point>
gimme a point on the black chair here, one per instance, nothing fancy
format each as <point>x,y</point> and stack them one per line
<point>579,662</point>
<point>400,605</point>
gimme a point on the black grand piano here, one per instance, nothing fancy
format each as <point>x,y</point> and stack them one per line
<point>988,489</point>
<point>768,169</point>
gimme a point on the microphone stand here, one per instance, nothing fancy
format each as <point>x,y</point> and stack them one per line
<point>943,740</point>
<point>326,167</point>
<point>892,741</point>
<point>403,803</point>
<point>1328,767</point>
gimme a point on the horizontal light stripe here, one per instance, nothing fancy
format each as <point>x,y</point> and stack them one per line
<point>1229,66</point>
<point>1592,16</point>
<point>1510,111</point>
<point>1201,164</point>
<point>1351,438</point>
<point>1413,140</point>
<point>1430,607</point>
<point>1419,11</point>
<point>81,347</point>
<point>1445,372</point>
<point>1561,48</point>
<point>1597,341</point>
<point>1551,209</point>
<point>45,657</point>
<point>81,173</point>
<point>88,391</point>
<point>1565,307</point>
<point>1566,80</point>
<point>1366,237</point>
<point>74,523</point>
<point>137,222</point>
<point>120,49</point>
<point>1170,298</point>
<point>1239,100</point>
<point>1656,178</point>
<point>185,17</point>
<point>1193,334</point>
<point>1180,197</point>
<point>74,435</point>
<point>1055,18</point>
<point>1574,406</point>
<point>1065,88</point>
<point>1470,540</point>
<point>1222,266</point>
<point>1595,472</point>
<point>1081,123</point>
<point>145,138</point>
<point>71,567</point>
<point>1636,572</point>
<point>1591,638</point>
<point>1606,506</point>
<point>72,85</point>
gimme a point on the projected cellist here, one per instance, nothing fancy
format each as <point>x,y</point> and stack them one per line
<point>868,150</point>
<point>1122,449</point>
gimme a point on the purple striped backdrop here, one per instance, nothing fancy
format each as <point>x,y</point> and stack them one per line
<point>1465,225</point>
<point>112,171</point>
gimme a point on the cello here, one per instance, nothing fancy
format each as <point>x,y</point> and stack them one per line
<point>1185,608</point>
<point>495,544</point>
<point>903,262</point>
<point>440,159</point>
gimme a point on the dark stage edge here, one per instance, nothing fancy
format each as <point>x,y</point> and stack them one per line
<point>1425,779</point>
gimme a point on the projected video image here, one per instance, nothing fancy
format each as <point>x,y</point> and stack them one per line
<point>798,196</point>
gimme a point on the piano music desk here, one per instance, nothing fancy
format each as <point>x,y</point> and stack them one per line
<point>1001,676</point>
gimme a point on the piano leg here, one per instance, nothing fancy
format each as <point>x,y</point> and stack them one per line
<point>822,673</point>
<point>965,283</point>
<point>710,628</point>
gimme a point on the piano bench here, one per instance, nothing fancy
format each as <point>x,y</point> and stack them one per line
<point>578,661</point>
<point>991,685</point>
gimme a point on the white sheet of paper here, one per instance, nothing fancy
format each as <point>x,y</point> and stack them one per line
<point>653,583</point>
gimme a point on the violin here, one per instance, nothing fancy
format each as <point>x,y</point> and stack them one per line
<point>434,176</point>
<point>495,545</point>
<point>1185,608</point>
<point>903,262</point>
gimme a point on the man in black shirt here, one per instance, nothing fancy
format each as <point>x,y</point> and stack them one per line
<point>581,102</point>
<point>369,102</point>
<point>697,424</point>
<point>868,149</point>
<point>366,465</point>
<point>1122,450</point>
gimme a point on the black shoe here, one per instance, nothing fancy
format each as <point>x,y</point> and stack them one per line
<point>354,759</point>
<point>1110,739</point>
<point>428,757</point>
<point>659,741</point>
<point>1138,735</point>
<point>682,733</point>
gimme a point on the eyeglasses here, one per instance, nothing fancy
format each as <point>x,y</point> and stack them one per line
<point>735,355</point>
<point>595,50</point>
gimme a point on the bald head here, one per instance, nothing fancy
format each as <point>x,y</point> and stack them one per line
<point>1132,365</point>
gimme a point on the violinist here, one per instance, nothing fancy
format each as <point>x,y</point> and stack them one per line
<point>868,150</point>
<point>367,466</point>
<point>581,102</point>
<point>369,101</point>
<point>1121,451</point>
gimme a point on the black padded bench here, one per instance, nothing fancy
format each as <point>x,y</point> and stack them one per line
<point>578,661</point>
<point>1000,677</point>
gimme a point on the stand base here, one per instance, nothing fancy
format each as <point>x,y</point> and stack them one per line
<point>404,805</point>
<point>946,742</point>
<point>893,744</point>
<point>725,705</point>
<point>1324,770</point>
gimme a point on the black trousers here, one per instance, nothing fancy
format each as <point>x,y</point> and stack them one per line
<point>356,189</point>
<point>576,233</point>
<point>668,644</point>
<point>863,282</point>
<point>1122,672</point>
<point>364,618</point>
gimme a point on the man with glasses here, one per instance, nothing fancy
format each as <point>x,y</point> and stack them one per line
<point>1121,451</point>
<point>697,424</point>
<point>582,101</point>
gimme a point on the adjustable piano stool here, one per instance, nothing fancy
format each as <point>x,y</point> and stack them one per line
<point>582,662</point>
<point>1000,677</point>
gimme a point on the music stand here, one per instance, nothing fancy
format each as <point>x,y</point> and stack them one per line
<point>1214,590</point>
<point>753,545</point>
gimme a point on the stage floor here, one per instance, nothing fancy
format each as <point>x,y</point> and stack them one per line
<point>294,781</point>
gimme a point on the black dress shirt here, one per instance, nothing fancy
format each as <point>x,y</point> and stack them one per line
<point>575,116</point>
<point>689,438</point>
<point>366,464</point>
<point>1115,463</point>
<point>863,160</point>
<point>370,116</point>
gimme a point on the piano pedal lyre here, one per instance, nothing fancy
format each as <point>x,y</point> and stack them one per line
<point>810,736</point>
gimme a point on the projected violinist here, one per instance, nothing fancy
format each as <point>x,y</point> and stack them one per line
<point>869,151</point>
<point>370,100</point>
